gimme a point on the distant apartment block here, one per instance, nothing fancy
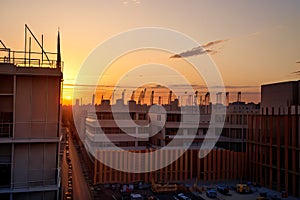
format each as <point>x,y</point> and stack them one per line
<point>273,139</point>
<point>29,126</point>
<point>103,125</point>
<point>233,136</point>
<point>224,160</point>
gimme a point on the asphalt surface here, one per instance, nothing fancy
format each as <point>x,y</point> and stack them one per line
<point>81,189</point>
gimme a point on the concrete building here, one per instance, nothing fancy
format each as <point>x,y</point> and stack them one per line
<point>233,135</point>
<point>160,125</point>
<point>278,97</point>
<point>273,139</point>
<point>29,126</point>
<point>219,164</point>
<point>116,133</point>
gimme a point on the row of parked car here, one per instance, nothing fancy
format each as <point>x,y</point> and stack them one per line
<point>69,192</point>
<point>224,189</point>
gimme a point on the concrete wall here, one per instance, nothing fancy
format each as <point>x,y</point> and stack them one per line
<point>37,103</point>
<point>219,164</point>
<point>34,165</point>
<point>279,95</point>
<point>47,195</point>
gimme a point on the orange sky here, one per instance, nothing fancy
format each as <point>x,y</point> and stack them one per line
<point>262,36</point>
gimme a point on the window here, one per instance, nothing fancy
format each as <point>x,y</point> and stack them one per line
<point>5,165</point>
<point>158,117</point>
<point>142,117</point>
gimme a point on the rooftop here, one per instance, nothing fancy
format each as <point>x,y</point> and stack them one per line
<point>31,58</point>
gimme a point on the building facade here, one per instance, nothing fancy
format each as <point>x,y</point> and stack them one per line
<point>29,129</point>
<point>162,126</point>
<point>273,139</point>
<point>219,164</point>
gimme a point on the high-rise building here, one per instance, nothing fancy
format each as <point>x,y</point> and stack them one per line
<point>29,126</point>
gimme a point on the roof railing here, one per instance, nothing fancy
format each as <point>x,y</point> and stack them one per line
<point>29,58</point>
<point>33,59</point>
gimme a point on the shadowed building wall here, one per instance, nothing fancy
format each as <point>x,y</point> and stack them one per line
<point>29,132</point>
<point>273,139</point>
<point>219,164</point>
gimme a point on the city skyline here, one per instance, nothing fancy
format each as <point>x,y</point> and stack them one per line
<point>260,45</point>
<point>149,99</point>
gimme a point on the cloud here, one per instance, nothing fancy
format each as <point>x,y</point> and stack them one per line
<point>195,51</point>
<point>296,72</point>
<point>127,2</point>
<point>206,48</point>
<point>209,44</point>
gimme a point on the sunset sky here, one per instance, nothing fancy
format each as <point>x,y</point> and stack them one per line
<point>262,37</point>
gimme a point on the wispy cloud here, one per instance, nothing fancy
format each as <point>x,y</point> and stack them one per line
<point>296,72</point>
<point>210,44</point>
<point>127,2</point>
<point>206,48</point>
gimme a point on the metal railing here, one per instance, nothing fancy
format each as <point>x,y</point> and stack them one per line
<point>6,129</point>
<point>29,59</point>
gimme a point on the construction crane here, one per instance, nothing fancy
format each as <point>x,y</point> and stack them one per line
<point>239,96</point>
<point>159,100</point>
<point>207,98</point>
<point>112,96</point>
<point>142,96</point>
<point>132,95</point>
<point>93,99</point>
<point>219,97</point>
<point>201,101</point>
<point>123,94</point>
<point>152,98</point>
<point>170,97</point>
<point>227,98</point>
<point>196,98</point>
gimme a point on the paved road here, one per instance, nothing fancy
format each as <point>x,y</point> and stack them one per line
<point>80,187</point>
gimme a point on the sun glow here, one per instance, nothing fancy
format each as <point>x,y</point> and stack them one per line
<point>67,100</point>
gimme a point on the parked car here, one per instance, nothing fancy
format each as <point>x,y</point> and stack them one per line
<point>223,189</point>
<point>211,193</point>
<point>142,185</point>
<point>243,188</point>
<point>262,198</point>
<point>183,197</point>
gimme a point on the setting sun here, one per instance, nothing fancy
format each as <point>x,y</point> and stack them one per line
<point>67,100</point>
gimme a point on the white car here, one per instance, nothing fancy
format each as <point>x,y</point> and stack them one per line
<point>182,196</point>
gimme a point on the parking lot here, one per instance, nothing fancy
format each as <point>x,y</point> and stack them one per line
<point>111,192</point>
